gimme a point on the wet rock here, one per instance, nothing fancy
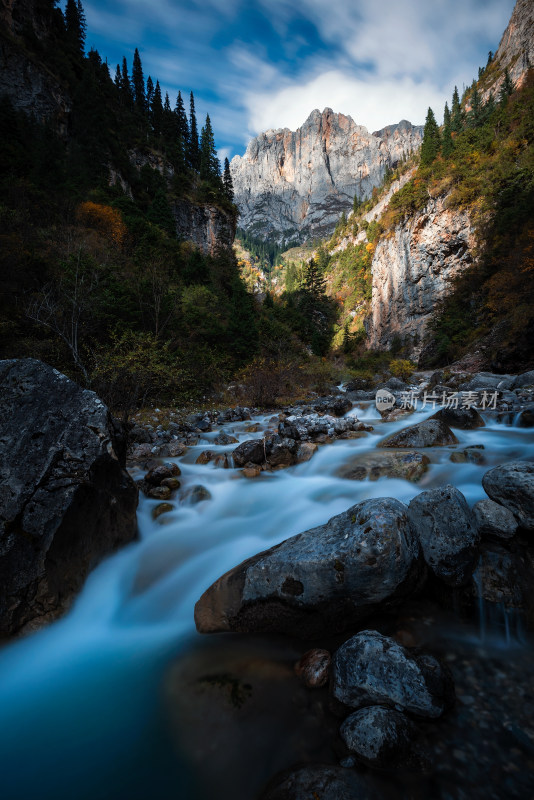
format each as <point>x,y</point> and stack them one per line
<point>337,406</point>
<point>156,475</point>
<point>224,438</point>
<point>321,782</point>
<point>483,381</point>
<point>470,454</point>
<point>464,418</point>
<point>430,433</point>
<point>172,483</point>
<point>162,508</point>
<point>158,492</point>
<point>372,669</point>
<point>503,576</point>
<point>66,499</point>
<point>447,531</point>
<point>222,460</point>
<point>252,451</point>
<point>205,457</point>
<point>394,385</point>
<point>494,520</point>
<point>314,668</point>
<point>512,486</point>
<point>140,452</point>
<point>139,435</point>
<point>380,737</point>
<point>198,422</point>
<point>305,452</point>
<point>252,471</point>
<point>322,580</point>
<point>395,413</point>
<point>281,451</point>
<point>526,379</point>
<point>196,494</point>
<point>175,449</point>
<point>408,466</point>
<point>526,417</point>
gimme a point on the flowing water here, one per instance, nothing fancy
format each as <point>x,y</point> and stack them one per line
<point>84,712</point>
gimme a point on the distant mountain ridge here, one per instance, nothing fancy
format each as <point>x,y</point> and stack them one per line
<point>294,185</point>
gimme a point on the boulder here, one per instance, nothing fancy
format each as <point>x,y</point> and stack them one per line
<point>281,451</point>
<point>512,486</point>
<point>526,379</point>
<point>464,418</point>
<point>314,668</point>
<point>504,577</point>
<point>196,494</point>
<point>305,451</point>
<point>409,466</point>
<point>485,381</point>
<point>447,531</point>
<point>252,451</point>
<point>525,418</point>
<point>321,782</point>
<point>372,669</point>
<point>157,475</point>
<point>380,737</point>
<point>430,433</point>
<point>366,558</point>
<point>224,438</point>
<point>66,499</point>
<point>473,455</point>
<point>494,520</point>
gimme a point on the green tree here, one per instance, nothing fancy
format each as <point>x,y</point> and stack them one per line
<point>457,115</point>
<point>431,140</point>
<point>157,111</point>
<point>182,126</point>
<point>474,117</point>
<point>75,26</point>
<point>314,282</point>
<point>507,88</point>
<point>126,86</point>
<point>210,168</point>
<point>138,82</point>
<point>149,97</point>
<point>228,184</point>
<point>447,145</point>
<point>194,148</point>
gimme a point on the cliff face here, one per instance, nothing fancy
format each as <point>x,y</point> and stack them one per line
<point>412,269</point>
<point>293,185</point>
<point>516,49</point>
<point>28,83</point>
<point>208,227</point>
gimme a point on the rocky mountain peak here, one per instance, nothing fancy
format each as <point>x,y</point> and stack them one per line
<point>293,185</point>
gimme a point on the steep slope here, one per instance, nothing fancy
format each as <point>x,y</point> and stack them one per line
<point>516,49</point>
<point>293,185</point>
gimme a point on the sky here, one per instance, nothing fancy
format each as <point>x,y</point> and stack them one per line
<point>267,64</point>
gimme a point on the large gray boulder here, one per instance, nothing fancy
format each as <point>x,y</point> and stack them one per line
<point>380,737</point>
<point>512,485</point>
<point>65,498</point>
<point>430,433</point>
<point>322,580</point>
<point>465,418</point>
<point>494,520</point>
<point>448,533</point>
<point>526,379</point>
<point>372,669</point>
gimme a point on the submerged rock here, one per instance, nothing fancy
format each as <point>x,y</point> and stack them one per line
<point>196,494</point>
<point>465,418</point>
<point>504,577</point>
<point>409,466</point>
<point>430,433</point>
<point>512,486</point>
<point>380,737</point>
<point>66,499</point>
<point>224,438</point>
<point>322,580</point>
<point>448,533</point>
<point>372,669</point>
<point>494,520</point>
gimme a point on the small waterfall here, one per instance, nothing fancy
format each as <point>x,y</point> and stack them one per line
<point>499,625</point>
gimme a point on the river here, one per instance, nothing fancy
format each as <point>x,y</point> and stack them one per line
<point>83,708</point>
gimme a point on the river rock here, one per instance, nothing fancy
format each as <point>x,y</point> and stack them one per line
<point>321,782</point>
<point>430,433</point>
<point>408,466</point>
<point>305,451</point>
<point>196,494</point>
<point>504,577</point>
<point>157,475</point>
<point>464,418</point>
<point>380,737</point>
<point>281,451</point>
<point>448,533</point>
<point>526,379</point>
<point>372,669</point>
<point>512,486</point>
<point>224,438</point>
<point>66,499</point>
<point>525,418</point>
<point>322,580</point>
<point>250,452</point>
<point>314,668</point>
<point>494,520</point>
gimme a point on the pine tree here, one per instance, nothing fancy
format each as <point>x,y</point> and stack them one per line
<point>149,92</point>
<point>314,283</point>
<point>126,86</point>
<point>157,111</point>
<point>138,82</point>
<point>194,149</point>
<point>357,203</point>
<point>181,117</point>
<point>447,145</point>
<point>457,116</point>
<point>507,88</point>
<point>474,117</point>
<point>228,184</point>
<point>431,144</point>
<point>75,26</point>
<point>118,78</point>
<point>210,168</point>
<point>489,107</point>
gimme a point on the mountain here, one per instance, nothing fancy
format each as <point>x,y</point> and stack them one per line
<point>294,185</point>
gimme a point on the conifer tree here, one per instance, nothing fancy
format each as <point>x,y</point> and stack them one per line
<point>210,168</point>
<point>194,149</point>
<point>507,88</point>
<point>157,111</point>
<point>314,283</point>
<point>181,120</point>
<point>431,144</point>
<point>447,145</point>
<point>457,117</point>
<point>138,82</point>
<point>126,86</point>
<point>149,92</point>
<point>228,184</point>
<point>75,26</point>
<point>118,78</point>
<point>474,117</point>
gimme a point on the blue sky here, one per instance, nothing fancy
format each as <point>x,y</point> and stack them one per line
<point>268,63</point>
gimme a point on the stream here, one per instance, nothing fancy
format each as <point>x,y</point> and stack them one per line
<point>97,704</point>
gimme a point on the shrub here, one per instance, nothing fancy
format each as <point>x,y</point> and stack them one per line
<point>402,368</point>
